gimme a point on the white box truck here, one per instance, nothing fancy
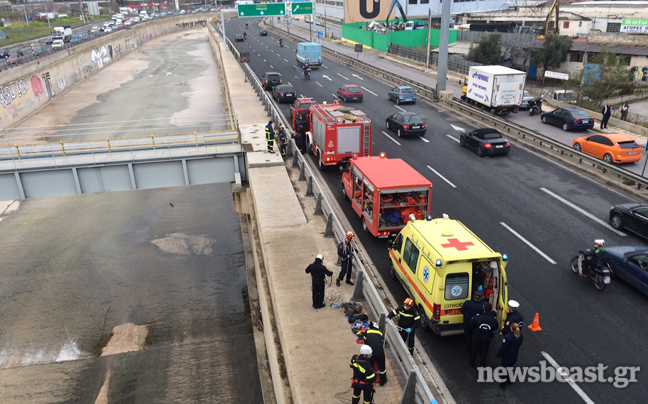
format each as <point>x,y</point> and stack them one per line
<point>497,89</point>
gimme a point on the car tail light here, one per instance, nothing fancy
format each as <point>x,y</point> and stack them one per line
<point>488,145</point>
<point>280,94</point>
<point>508,144</point>
<point>436,314</point>
<point>578,121</point>
<point>425,125</point>
<point>405,126</point>
<point>280,81</point>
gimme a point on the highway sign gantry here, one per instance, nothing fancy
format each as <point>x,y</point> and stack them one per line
<point>261,9</point>
<point>302,8</point>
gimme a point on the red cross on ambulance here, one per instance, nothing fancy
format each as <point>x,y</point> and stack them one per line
<point>460,246</point>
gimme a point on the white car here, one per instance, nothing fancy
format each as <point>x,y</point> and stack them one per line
<point>58,44</point>
<point>107,29</point>
<point>135,19</point>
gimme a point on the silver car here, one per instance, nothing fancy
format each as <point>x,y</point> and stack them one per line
<point>525,100</point>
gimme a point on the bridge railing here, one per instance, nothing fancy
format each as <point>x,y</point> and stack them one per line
<point>416,389</point>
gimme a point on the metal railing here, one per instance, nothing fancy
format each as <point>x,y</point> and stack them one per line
<point>416,389</point>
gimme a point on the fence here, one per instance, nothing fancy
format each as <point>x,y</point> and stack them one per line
<point>455,64</point>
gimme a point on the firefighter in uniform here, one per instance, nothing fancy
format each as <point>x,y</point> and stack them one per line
<point>282,139</point>
<point>364,376</point>
<point>318,273</point>
<point>376,340</point>
<point>345,252</point>
<point>408,321</point>
<point>269,132</point>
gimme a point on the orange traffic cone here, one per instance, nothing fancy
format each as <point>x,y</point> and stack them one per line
<point>535,326</point>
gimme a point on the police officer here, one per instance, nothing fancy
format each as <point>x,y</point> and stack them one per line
<point>364,376</point>
<point>376,340</point>
<point>345,252</point>
<point>269,131</point>
<point>282,139</point>
<point>470,309</point>
<point>483,326</point>
<point>408,321</point>
<point>318,274</point>
<point>512,316</point>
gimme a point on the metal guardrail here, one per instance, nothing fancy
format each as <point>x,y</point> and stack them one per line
<point>416,389</point>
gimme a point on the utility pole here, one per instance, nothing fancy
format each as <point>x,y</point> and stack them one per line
<point>444,38</point>
<point>83,18</point>
<point>24,26</point>
<point>427,58</point>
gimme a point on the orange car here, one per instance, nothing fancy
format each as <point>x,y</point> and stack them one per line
<point>611,148</point>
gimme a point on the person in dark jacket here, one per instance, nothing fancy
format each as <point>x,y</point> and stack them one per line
<point>470,309</point>
<point>483,326</point>
<point>509,350</point>
<point>282,138</point>
<point>318,274</point>
<point>512,316</point>
<point>345,252</point>
<point>270,135</point>
<point>607,112</point>
<point>408,321</point>
<point>376,340</point>
<point>364,376</point>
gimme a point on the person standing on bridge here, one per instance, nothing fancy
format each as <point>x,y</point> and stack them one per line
<point>318,273</point>
<point>408,321</point>
<point>282,140</point>
<point>376,340</point>
<point>364,376</point>
<point>269,131</point>
<point>345,252</point>
<point>607,112</point>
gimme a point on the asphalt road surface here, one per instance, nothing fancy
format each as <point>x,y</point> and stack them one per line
<point>537,212</point>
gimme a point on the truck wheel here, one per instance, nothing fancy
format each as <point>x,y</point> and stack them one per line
<point>345,98</point>
<point>364,225</point>
<point>425,321</point>
<point>344,195</point>
<point>320,163</point>
<point>392,271</point>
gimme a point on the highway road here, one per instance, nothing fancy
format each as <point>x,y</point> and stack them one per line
<point>524,205</point>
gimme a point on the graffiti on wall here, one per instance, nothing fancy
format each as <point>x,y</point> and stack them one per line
<point>639,73</point>
<point>12,90</point>
<point>101,56</point>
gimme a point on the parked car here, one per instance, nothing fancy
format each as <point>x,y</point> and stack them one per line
<point>108,29</point>
<point>486,141</point>
<point>75,38</point>
<point>569,118</point>
<point>4,53</point>
<point>629,263</point>
<point>15,57</point>
<point>350,92</point>
<point>238,38</point>
<point>270,79</point>
<point>38,49</point>
<point>284,92</point>
<point>406,123</point>
<point>630,216</point>
<point>402,94</point>
<point>612,148</point>
<point>263,32</point>
<point>58,44</point>
<point>49,40</point>
<point>525,100</point>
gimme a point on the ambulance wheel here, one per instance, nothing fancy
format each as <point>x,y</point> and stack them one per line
<point>392,271</point>
<point>344,195</point>
<point>425,322</point>
<point>364,225</point>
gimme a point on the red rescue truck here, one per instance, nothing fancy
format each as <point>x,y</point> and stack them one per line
<point>334,133</point>
<point>385,192</point>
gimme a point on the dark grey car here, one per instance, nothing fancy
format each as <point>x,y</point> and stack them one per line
<point>486,141</point>
<point>270,79</point>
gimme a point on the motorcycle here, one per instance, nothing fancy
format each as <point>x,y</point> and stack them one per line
<point>535,106</point>
<point>245,35</point>
<point>307,73</point>
<point>584,264</point>
<point>281,43</point>
<point>246,26</point>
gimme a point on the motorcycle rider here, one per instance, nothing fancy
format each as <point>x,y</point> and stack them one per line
<point>590,258</point>
<point>244,35</point>
<point>307,70</point>
<point>246,26</point>
<point>281,42</point>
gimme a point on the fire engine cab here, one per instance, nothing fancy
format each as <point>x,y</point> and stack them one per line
<point>334,133</point>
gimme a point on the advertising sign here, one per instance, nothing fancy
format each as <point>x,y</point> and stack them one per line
<point>634,26</point>
<point>367,10</point>
<point>556,75</point>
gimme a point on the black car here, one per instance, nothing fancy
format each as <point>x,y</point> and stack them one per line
<point>38,49</point>
<point>284,92</point>
<point>263,32</point>
<point>270,79</point>
<point>49,40</point>
<point>4,53</point>
<point>630,216</point>
<point>238,38</point>
<point>629,263</point>
<point>406,123</point>
<point>569,118</point>
<point>486,141</point>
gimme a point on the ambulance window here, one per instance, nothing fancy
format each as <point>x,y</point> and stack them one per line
<point>456,287</point>
<point>410,255</point>
<point>398,243</point>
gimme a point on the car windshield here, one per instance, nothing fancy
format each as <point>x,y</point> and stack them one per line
<point>413,119</point>
<point>407,90</point>
<point>579,113</point>
<point>354,89</point>
<point>492,135</point>
<point>527,94</point>
<point>628,144</point>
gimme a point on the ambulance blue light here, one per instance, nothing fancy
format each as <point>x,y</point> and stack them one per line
<point>439,263</point>
<point>505,257</point>
<point>429,218</point>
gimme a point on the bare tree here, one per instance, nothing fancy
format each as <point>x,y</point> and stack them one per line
<point>519,48</point>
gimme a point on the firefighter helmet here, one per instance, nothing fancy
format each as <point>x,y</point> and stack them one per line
<point>409,302</point>
<point>349,234</point>
<point>366,350</point>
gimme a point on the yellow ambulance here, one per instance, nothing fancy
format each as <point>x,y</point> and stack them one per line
<point>440,262</point>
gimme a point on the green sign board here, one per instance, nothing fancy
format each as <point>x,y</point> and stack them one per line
<point>301,8</point>
<point>261,9</point>
<point>634,25</point>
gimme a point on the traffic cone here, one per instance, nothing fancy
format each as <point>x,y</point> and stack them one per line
<point>535,326</point>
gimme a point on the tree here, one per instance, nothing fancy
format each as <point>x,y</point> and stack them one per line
<point>488,51</point>
<point>519,47</point>
<point>553,52</point>
<point>604,74</point>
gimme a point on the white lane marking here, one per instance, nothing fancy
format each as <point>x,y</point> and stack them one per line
<point>400,108</point>
<point>453,138</point>
<point>457,128</point>
<point>272,67</point>
<point>324,67</point>
<point>327,77</point>
<point>355,75</point>
<point>527,242</point>
<point>286,60</point>
<point>391,138</point>
<point>569,380</point>
<point>265,61</point>
<point>319,84</point>
<point>581,210</point>
<point>442,177</point>
<point>294,66</point>
<point>345,78</point>
<point>334,95</point>
<point>424,139</point>
<point>369,91</point>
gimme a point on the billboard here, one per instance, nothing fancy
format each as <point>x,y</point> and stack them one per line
<point>367,10</point>
<point>634,26</point>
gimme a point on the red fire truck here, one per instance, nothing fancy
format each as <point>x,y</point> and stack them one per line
<point>333,133</point>
<point>385,192</point>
